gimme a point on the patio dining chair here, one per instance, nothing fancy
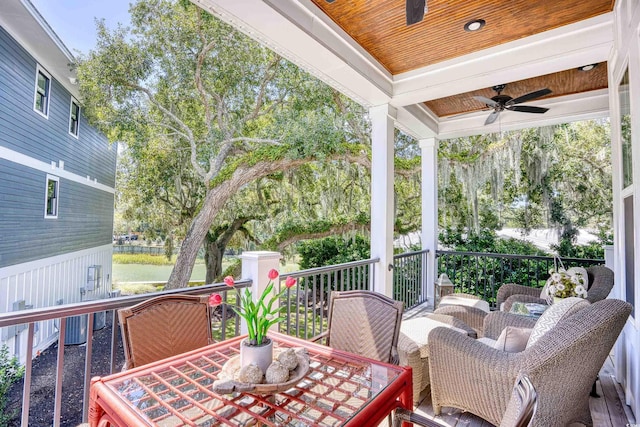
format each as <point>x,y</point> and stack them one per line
<point>365,323</point>
<point>164,326</point>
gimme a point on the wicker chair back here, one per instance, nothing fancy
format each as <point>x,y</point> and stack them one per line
<point>164,326</point>
<point>365,323</point>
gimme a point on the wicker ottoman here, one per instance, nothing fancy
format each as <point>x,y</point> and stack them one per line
<point>470,309</point>
<point>413,345</point>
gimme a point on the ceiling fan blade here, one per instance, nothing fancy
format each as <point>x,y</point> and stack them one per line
<point>529,96</point>
<point>490,102</point>
<point>527,109</point>
<point>492,117</point>
<point>415,11</point>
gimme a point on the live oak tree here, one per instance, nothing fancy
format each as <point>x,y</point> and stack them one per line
<point>203,112</point>
<point>556,176</point>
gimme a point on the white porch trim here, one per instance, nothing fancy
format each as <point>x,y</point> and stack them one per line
<point>382,196</point>
<point>429,151</point>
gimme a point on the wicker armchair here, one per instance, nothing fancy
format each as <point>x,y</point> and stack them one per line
<point>520,412</point>
<point>164,326</point>
<point>600,284</point>
<point>364,323</point>
<point>471,316</point>
<point>562,365</point>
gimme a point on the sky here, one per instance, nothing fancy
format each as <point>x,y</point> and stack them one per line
<point>74,20</point>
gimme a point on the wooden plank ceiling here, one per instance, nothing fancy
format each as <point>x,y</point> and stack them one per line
<point>562,83</point>
<point>379,27</point>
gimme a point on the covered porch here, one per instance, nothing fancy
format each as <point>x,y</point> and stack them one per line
<point>430,79</point>
<point>432,99</point>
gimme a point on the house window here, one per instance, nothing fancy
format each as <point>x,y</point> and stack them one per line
<point>74,118</point>
<point>51,198</point>
<point>43,91</point>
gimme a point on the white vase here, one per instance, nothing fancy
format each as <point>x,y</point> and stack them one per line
<point>261,355</point>
<point>557,300</point>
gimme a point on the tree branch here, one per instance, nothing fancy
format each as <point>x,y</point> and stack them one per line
<point>187,129</point>
<point>218,196</point>
<point>335,229</point>
<point>269,73</point>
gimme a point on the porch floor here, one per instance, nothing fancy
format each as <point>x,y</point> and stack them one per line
<point>609,410</point>
<point>606,411</point>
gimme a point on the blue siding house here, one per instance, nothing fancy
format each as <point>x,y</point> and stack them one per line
<point>57,177</point>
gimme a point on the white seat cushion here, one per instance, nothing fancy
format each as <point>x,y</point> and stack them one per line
<point>453,299</point>
<point>487,341</point>
<point>511,340</point>
<point>418,331</point>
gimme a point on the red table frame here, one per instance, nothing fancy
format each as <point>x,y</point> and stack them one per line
<point>115,399</point>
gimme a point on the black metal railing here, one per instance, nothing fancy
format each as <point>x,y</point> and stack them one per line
<point>482,274</point>
<point>410,278</point>
<point>307,304</point>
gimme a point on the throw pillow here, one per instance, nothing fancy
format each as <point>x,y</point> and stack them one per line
<point>512,339</point>
<point>553,315</point>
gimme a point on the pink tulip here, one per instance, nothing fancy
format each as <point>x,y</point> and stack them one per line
<point>215,300</point>
<point>273,274</point>
<point>290,282</point>
<point>229,281</point>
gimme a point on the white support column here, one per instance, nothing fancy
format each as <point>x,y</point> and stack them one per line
<point>256,266</point>
<point>429,148</point>
<point>382,195</point>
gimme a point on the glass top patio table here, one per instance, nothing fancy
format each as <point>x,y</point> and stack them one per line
<point>340,388</point>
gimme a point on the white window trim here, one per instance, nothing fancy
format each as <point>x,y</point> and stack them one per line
<point>74,101</point>
<point>46,195</point>
<point>39,70</point>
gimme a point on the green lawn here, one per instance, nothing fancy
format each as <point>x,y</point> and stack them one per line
<point>125,269</point>
<point>150,273</point>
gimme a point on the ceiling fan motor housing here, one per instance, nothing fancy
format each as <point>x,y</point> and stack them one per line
<point>501,100</point>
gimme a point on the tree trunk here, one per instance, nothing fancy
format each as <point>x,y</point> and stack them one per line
<point>212,259</point>
<point>213,202</point>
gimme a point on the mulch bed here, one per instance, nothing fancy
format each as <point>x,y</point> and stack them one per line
<point>43,379</point>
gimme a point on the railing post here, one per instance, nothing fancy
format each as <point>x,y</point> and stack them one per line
<point>256,266</point>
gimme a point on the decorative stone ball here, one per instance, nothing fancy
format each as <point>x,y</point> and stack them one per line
<point>250,374</point>
<point>301,353</point>
<point>288,359</point>
<point>277,373</point>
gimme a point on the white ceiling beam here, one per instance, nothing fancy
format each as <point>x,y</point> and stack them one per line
<point>586,42</point>
<point>417,121</point>
<point>583,106</point>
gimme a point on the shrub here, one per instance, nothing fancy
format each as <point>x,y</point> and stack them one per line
<point>146,259</point>
<point>137,289</point>
<point>10,373</point>
<point>331,251</point>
